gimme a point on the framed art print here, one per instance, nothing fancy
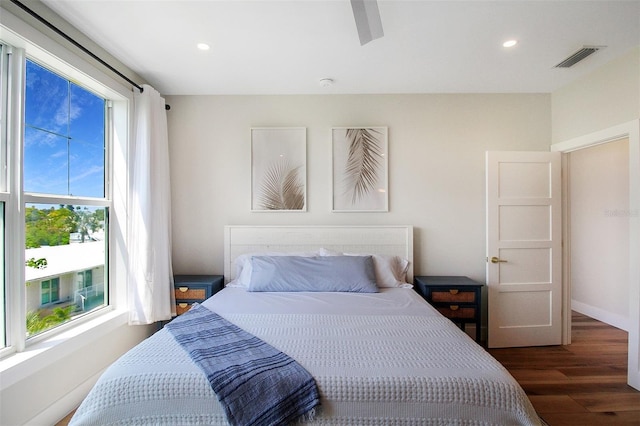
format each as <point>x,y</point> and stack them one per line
<point>279,169</point>
<point>360,169</point>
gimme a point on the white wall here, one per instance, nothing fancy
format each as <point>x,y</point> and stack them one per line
<point>599,212</point>
<point>604,98</point>
<point>437,145</point>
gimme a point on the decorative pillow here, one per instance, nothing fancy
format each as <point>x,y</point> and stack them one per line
<point>320,273</point>
<point>391,271</point>
<point>243,266</point>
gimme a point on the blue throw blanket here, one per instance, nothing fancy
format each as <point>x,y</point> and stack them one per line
<point>256,383</point>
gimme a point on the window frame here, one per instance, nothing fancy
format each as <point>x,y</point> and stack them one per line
<point>25,42</point>
<point>4,194</point>
<point>30,198</point>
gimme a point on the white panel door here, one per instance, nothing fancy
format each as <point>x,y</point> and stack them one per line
<point>524,250</point>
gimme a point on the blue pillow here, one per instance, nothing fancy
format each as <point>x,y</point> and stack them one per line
<point>320,273</point>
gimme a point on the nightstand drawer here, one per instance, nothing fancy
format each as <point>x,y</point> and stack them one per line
<point>456,311</point>
<point>190,289</point>
<point>453,295</point>
<point>186,293</point>
<point>181,308</point>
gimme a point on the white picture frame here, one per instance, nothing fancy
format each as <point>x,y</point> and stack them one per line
<point>360,169</point>
<point>278,169</point>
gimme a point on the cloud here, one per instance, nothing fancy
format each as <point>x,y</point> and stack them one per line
<point>86,173</point>
<point>59,154</point>
<point>37,137</point>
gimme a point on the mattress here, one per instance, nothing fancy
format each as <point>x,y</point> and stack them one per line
<point>383,358</point>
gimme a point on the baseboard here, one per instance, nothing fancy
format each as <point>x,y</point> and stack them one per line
<point>615,320</point>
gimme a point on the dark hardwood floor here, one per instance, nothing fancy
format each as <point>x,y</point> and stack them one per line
<point>584,383</point>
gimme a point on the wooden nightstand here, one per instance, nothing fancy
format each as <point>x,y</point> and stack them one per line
<point>457,298</point>
<point>195,288</point>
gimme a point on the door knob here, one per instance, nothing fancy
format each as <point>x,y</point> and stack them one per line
<point>496,259</point>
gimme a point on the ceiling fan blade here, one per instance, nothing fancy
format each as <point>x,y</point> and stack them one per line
<point>368,21</point>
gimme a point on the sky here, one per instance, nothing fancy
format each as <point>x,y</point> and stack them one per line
<point>64,136</point>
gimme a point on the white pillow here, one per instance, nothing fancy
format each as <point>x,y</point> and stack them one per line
<point>243,266</point>
<point>391,271</point>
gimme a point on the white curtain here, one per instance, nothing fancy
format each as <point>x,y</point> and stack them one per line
<point>150,285</point>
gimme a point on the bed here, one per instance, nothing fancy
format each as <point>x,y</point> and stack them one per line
<point>383,357</point>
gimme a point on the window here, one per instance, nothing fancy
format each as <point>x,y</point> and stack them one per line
<point>64,162</point>
<point>50,291</point>
<point>60,123</point>
<point>64,149</point>
<point>85,279</point>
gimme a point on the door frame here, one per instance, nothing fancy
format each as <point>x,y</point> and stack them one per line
<point>630,130</point>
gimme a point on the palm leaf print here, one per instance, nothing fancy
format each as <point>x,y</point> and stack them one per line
<point>363,162</point>
<point>281,188</point>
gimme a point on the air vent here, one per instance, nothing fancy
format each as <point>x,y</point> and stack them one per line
<point>578,56</point>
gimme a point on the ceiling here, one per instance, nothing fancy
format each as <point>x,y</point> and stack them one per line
<point>286,47</point>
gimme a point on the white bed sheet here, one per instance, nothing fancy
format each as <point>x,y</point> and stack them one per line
<point>383,358</point>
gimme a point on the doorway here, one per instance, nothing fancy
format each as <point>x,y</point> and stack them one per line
<point>630,130</point>
<point>598,210</point>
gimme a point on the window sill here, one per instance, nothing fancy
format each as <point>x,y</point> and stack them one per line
<point>43,354</point>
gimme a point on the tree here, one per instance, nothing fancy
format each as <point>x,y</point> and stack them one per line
<point>51,227</point>
<point>86,221</point>
<point>36,263</point>
<point>37,323</point>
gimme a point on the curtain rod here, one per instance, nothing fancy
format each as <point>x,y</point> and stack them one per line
<point>79,46</point>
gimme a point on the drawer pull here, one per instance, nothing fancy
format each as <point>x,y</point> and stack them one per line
<point>183,289</point>
<point>453,291</point>
<point>454,307</point>
<point>182,305</point>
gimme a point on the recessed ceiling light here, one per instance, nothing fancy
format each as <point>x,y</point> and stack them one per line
<point>510,43</point>
<point>203,46</point>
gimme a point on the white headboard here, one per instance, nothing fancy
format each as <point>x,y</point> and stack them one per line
<point>391,240</point>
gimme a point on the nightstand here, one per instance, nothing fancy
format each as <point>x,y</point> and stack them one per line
<point>457,298</point>
<point>195,288</point>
